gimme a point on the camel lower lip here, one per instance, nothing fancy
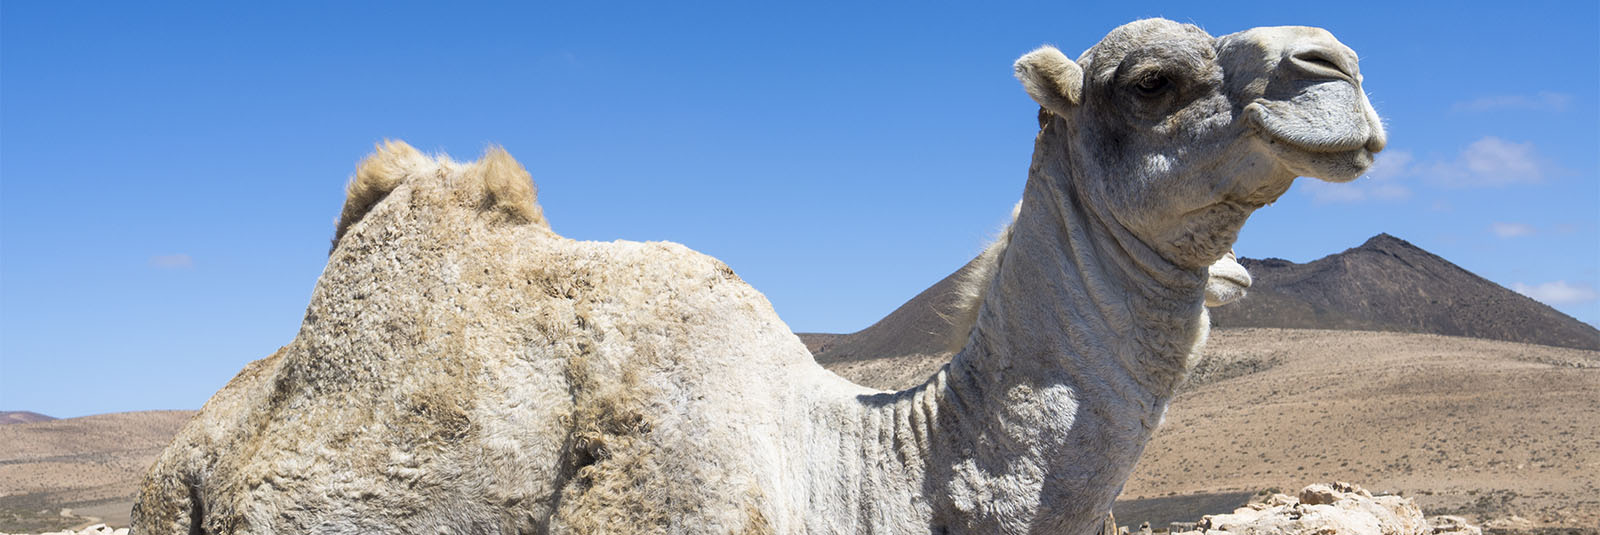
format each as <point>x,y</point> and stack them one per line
<point>1233,280</point>
<point>1343,147</point>
<point>1255,114</point>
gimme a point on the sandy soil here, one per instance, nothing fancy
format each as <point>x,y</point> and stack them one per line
<point>91,465</point>
<point>1479,428</point>
<point>1472,427</point>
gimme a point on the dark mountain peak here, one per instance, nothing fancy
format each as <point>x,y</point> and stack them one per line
<point>1388,243</point>
<point>1269,262</point>
<point>1389,284</point>
<point>1385,284</point>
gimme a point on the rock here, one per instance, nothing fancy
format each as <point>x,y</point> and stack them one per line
<point>1318,494</point>
<point>1321,509</point>
<point>1452,525</point>
<point>1509,523</point>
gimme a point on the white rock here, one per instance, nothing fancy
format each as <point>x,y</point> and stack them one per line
<point>1337,509</point>
<point>1452,525</point>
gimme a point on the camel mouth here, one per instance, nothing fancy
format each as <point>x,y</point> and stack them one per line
<point>1240,279</point>
<point>1339,154</point>
<point>1227,281</point>
<point>1291,131</point>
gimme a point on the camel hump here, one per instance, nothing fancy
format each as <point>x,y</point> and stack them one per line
<point>506,187</point>
<point>509,187</point>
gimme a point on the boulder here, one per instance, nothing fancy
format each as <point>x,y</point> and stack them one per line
<point>1330,509</point>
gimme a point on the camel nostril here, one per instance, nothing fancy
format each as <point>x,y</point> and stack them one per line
<point>1323,63</point>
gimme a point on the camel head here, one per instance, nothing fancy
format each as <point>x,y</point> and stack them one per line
<point>1178,136</point>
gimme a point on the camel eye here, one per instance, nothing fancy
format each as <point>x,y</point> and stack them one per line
<point>1152,85</point>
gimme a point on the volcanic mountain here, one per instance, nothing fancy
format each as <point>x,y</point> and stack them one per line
<point>1388,284</point>
<point>1385,284</point>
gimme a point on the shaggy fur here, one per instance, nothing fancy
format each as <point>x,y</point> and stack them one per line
<point>463,369</point>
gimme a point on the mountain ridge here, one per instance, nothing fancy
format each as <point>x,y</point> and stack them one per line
<point>1389,284</point>
<point>1385,284</point>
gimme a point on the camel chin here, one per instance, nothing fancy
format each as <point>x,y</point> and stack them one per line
<point>1226,282</point>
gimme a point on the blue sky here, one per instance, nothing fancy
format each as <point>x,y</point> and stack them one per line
<point>170,173</point>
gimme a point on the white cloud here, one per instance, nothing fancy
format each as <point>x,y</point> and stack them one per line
<point>1490,162</point>
<point>1381,183</point>
<point>1558,292</point>
<point>1497,159</point>
<point>172,261</point>
<point>1511,230</point>
<point>1390,164</point>
<point>1541,101</point>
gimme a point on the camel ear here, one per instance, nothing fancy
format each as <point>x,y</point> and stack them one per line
<point>1053,81</point>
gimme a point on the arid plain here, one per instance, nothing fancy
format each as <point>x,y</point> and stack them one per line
<point>1484,429</point>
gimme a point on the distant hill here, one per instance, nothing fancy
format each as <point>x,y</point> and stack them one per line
<point>22,417</point>
<point>1388,284</point>
<point>91,465</point>
<point>918,327</point>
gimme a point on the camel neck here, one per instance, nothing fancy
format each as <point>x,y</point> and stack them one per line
<point>1077,296</point>
<point>1079,344</point>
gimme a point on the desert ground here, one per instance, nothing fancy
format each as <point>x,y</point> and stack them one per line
<point>1484,429</point>
<point>90,465</point>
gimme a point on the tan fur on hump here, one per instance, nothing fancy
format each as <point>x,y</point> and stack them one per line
<point>510,187</point>
<point>378,174</point>
<point>507,188</point>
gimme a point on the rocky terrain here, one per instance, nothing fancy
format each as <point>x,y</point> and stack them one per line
<point>1322,509</point>
<point>95,529</point>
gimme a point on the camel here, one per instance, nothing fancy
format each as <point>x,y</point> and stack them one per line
<point>463,369</point>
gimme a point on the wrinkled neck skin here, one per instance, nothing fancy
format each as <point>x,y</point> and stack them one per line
<point>1037,423</point>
